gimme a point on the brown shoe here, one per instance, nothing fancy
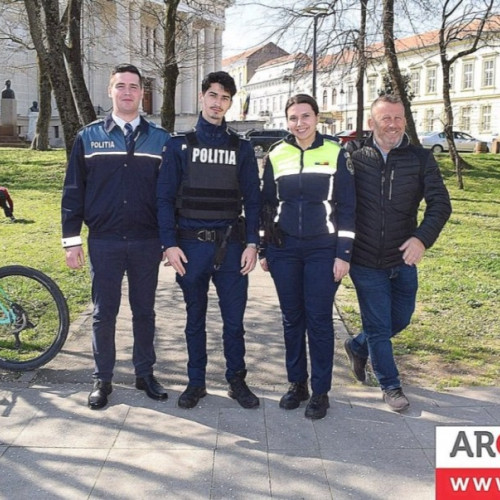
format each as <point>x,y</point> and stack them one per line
<point>396,400</point>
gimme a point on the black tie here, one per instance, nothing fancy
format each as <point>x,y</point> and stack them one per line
<point>129,137</point>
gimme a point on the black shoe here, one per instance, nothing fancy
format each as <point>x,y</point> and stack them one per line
<point>358,364</point>
<point>317,406</point>
<point>396,400</point>
<point>239,390</point>
<point>98,398</point>
<point>152,387</point>
<point>190,397</point>
<point>297,392</point>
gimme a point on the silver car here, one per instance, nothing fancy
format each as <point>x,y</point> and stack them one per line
<point>438,143</point>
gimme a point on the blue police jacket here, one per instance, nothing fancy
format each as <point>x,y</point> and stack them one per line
<point>175,168</point>
<point>112,191</point>
<point>313,191</point>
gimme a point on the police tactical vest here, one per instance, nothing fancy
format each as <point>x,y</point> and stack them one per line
<point>210,189</point>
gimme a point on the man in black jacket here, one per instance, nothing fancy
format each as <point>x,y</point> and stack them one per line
<point>392,177</point>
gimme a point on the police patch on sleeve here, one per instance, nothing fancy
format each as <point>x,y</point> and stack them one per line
<point>348,163</point>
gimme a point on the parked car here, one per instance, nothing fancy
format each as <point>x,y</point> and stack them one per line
<point>262,140</point>
<point>436,141</point>
<point>350,135</point>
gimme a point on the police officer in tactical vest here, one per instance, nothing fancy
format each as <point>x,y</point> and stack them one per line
<point>207,177</point>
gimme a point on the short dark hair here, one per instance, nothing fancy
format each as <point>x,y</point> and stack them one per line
<point>222,78</point>
<point>127,68</point>
<point>390,98</point>
<point>302,99</point>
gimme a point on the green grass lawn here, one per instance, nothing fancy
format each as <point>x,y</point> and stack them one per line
<point>34,180</point>
<point>454,337</point>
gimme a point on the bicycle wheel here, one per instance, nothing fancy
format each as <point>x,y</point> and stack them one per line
<point>34,318</point>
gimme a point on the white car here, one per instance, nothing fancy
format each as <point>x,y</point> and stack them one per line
<point>438,143</point>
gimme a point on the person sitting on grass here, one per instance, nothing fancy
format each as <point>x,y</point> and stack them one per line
<point>6,203</point>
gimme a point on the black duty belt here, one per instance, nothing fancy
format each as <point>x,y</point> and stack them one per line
<point>206,235</point>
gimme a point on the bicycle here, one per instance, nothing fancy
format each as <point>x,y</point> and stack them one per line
<point>34,318</point>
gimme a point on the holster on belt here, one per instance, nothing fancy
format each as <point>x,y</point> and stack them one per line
<point>221,246</point>
<point>272,232</point>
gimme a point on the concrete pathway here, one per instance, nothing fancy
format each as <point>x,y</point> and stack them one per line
<point>52,446</point>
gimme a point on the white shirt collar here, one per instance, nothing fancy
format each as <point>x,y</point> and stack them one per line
<point>121,123</point>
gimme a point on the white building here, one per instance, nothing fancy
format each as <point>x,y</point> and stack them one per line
<point>116,32</point>
<point>475,87</point>
<point>273,83</point>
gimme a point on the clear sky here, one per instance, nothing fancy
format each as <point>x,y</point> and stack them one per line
<point>246,27</point>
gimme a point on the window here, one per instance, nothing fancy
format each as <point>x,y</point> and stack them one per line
<point>486,118</point>
<point>429,120</point>
<point>467,81</point>
<point>155,41</point>
<point>465,118</point>
<point>431,80</point>
<point>334,97</point>
<point>488,72</point>
<point>415,82</point>
<point>325,99</point>
<point>452,77</point>
<point>350,94</point>
<point>372,89</point>
<point>149,41</point>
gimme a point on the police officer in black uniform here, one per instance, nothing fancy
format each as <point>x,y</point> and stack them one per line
<point>207,176</point>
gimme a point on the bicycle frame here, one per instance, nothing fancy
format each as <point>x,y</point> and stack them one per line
<point>7,315</point>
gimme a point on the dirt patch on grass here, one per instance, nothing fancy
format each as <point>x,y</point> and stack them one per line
<point>433,372</point>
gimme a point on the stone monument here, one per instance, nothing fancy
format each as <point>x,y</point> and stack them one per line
<point>32,119</point>
<point>8,113</point>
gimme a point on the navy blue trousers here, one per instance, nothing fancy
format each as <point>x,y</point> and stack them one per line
<point>232,289</point>
<point>110,260</point>
<point>302,271</point>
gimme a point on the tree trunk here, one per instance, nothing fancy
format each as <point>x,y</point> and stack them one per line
<point>170,71</point>
<point>52,57</point>
<point>40,140</point>
<point>393,67</point>
<point>361,42</point>
<point>73,53</point>
<point>449,121</point>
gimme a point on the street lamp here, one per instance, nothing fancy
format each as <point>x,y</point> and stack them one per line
<point>344,106</point>
<point>316,13</point>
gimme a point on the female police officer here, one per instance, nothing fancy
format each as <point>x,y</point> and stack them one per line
<point>308,217</point>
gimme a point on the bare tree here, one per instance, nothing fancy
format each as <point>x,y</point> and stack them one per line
<point>71,24</point>
<point>398,82</point>
<point>362,64</point>
<point>12,26</point>
<point>461,21</point>
<point>40,140</point>
<point>47,33</point>
<point>170,71</point>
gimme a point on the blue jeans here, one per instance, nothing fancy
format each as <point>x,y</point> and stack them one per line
<point>386,300</point>
<point>110,260</point>
<point>232,290</point>
<point>302,271</point>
